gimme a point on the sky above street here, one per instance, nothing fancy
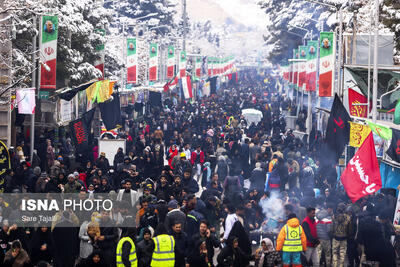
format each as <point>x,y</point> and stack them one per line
<point>243,11</point>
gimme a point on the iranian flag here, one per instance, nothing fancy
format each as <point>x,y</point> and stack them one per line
<point>171,62</point>
<point>186,86</point>
<point>295,66</point>
<point>302,65</point>
<point>99,61</point>
<point>198,67</point>
<point>209,66</point>
<point>182,64</point>
<point>48,51</point>
<point>326,64</point>
<point>285,70</point>
<point>214,65</point>
<point>153,62</point>
<point>311,69</point>
<point>131,61</point>
<point>290,72</point>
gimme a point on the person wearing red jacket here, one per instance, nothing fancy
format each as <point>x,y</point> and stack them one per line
<point>310,229</point>
<point>197,160</point>
<point>172,152</point>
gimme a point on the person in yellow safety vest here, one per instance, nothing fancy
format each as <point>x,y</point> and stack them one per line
<point>291,241</point>
<point>126,249</point>
<point>164,248</point>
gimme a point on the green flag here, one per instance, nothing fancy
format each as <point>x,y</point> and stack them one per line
<point>397,113</point>
<point>381,131</point>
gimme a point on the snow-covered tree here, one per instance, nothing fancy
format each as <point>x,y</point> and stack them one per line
<point>286,20</point>
<point>78,36</point>
<point>390,11</point>
<point>152,13</point>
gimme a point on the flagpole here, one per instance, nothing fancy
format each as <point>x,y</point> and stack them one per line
<point>32,133</point>
<point>375,75</point>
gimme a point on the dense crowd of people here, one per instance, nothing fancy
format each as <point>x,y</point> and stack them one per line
<point>195,186</point>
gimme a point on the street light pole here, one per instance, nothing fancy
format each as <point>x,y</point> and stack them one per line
<point>339,65</point>
<point>184,25</point>
<point>375,75</point>
<point>32,130</point>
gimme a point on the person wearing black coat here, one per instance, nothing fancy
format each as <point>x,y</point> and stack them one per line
<point>54,185</point>
<point>65,240</point>
<point>41,246</point>
<point>181,244</point>
<point>232,255</point>
<point>118,158</point>
<point>257,178</point>
<point>209,238</point>
<point>95,259</point>
<point>108,238</point>
<point>199,255</point>
<point>144,249</point>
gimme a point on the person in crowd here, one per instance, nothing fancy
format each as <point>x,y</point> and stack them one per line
<point>291,241</point>
<point>341,230</point>
<point>199,255</point>
<point>310,229</point>
<point>41,246</point>
<point>181,244</point>
<point>126,249</point>
<point>127,194</point>
<point>182,165</point>
<point>108,237</point>
<point>102,163</point>
<point>197,160</point>
<point>16,256</point>
<point>232,254</point>
<point>144,249</point>
<point>190,183</point>
<point>208,237</point>
<point>324,233</point>
<point>164,248</point>
<point>65,238</point>
<point>95,259</point>
<point>266,255</point>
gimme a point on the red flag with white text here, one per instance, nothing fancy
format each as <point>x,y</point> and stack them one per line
<point>362,175</point>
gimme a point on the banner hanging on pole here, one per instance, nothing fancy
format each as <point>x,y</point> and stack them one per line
<point>326,64</point>
<point>26,101</point>
<point>99,62</point>
<point>295,66</point>
<point>153,62</point>
<point>48,51</point>
<point>182,64</point>
<point>171,62</point>
<point>131,60</point>
<point>311,68</point>
<point>302,65</point>
<point>198,67</point>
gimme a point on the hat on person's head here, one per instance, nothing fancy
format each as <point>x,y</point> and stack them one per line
<point>71,175</point>
<point>148,187</point>
<point>6,223</point>
<point>146,231</point>
<point>102,154</point>
<point>183,155</point>
<point>76,174</point>
<point>173,204</point>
